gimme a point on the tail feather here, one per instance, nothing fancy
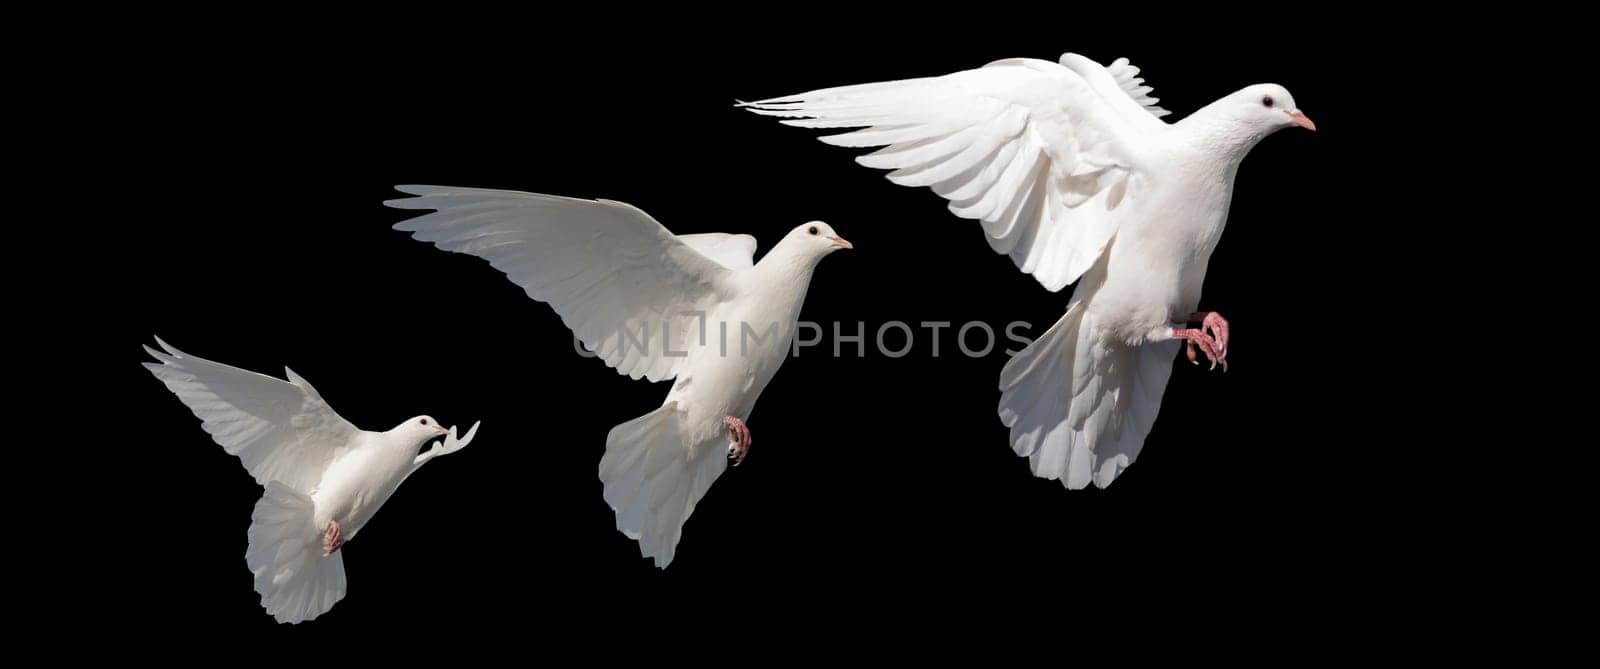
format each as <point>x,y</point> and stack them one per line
<point>1080,405</point>
<point>654,472</point>
<point>295,581</point>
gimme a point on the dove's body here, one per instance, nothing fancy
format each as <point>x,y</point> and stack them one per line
<point>747,340</point>
<point>1072,173</point>
<point>323,476</point>
<point>695,308</point>
<point>361,479</point>
<point>1152,270</point>
<point>658,466</point>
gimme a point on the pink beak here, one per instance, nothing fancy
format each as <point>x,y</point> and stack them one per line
<point>440,430</point>
<point>1297,118</point>
<point>841,242</point>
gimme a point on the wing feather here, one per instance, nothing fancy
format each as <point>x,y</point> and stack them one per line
<point>281,430</point>
<point>629,289</point>
<point>1027,147</point>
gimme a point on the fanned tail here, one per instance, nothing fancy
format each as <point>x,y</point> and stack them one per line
<point>1080,405</point>
<point>296,582</point>
<point>654,473</point>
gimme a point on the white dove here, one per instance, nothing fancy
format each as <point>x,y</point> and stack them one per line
<point>324,478</point>
<point>650,304</point>
<point>1074,175</point>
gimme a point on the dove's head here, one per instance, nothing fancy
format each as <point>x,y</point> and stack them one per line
<point>801,249</point>
<point>421,428</point>
<point>1266,108</point>
<point>816,238</point>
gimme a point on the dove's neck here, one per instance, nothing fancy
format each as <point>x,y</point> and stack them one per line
<point>785,273</point>
<point>1220,137</point>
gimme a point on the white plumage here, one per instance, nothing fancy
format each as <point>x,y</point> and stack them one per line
<point>316,467</point>
<point>692,308</point>
<point>1073,174</point>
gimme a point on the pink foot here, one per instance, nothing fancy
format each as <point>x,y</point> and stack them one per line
<point>332,539</point>
<point>738,439</point>
<point>1214,324</point>
<point>1211,338</point>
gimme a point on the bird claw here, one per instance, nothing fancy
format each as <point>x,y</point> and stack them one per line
<point>332,538</point>
<point>1209,338</point>
<point>1215,325</point>
<point>738,439</point>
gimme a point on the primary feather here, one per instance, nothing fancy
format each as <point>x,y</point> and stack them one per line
<point>280,430</point>
<point>1026,147</point>
<point>613,274</point>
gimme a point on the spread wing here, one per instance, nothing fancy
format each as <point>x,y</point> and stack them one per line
<point>1039,152</point>
<point>281,430</point>
<point>616,277</point>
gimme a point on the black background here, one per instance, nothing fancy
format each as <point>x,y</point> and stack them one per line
<point>247,168</point>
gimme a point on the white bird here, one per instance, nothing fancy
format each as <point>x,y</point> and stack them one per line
<point>324,478</point>
<point>1073,174</point>
<point>695,308</point>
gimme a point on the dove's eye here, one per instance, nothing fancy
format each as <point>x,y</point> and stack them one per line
<point>813,230</point>
<point>1267,102</point>
<point>424,421</point>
